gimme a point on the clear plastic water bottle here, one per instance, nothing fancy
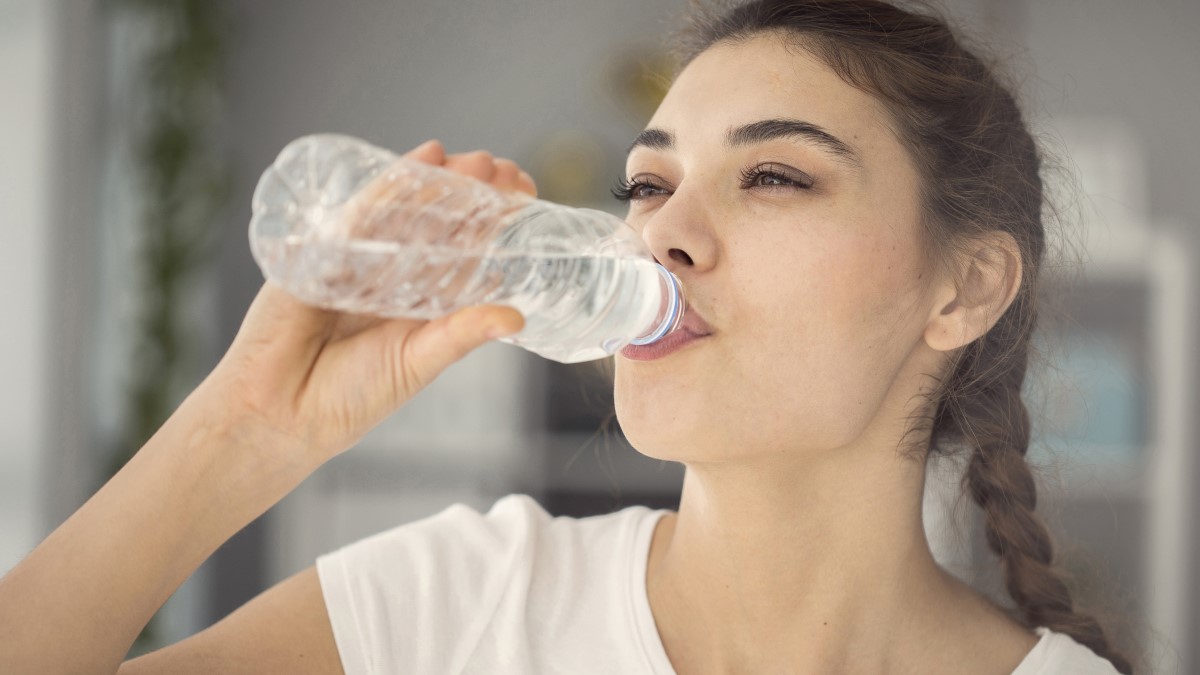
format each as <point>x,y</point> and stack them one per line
<point>345,225</point>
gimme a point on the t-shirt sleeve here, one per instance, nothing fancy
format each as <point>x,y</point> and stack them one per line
<point>418,597</point>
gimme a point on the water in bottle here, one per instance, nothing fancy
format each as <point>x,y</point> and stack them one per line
<point>342,224</point>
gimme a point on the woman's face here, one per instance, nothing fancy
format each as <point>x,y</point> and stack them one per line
<point>810,274</point>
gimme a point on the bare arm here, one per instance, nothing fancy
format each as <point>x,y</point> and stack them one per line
<point>298,386</point>
<point>78,601</point>
<point>284,630</point>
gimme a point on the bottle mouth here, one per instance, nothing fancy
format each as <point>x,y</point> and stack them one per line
<point>670,314</point>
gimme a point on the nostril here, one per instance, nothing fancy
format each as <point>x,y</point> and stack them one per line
<point>680,256</point>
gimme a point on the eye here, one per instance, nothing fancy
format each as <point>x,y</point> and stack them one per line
<point>770,176</point>
<point>632,190</point>
<point>774,176</point>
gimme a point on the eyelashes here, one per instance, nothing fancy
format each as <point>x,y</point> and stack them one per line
<point>626,190</point>
<point>785,177</point>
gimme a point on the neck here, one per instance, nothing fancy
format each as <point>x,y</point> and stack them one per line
<point>830,549</point>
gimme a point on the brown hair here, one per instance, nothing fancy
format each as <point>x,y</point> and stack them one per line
<point>981,172</point>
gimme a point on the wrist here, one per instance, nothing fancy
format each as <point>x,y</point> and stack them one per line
<point>212,424</point>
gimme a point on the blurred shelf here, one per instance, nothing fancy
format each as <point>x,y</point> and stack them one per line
<point>595,463</point>
<point>532,463</point>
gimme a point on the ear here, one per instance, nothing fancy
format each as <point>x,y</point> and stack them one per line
<point>987,282</point>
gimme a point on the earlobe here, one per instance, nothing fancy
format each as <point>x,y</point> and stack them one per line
<point>945,327</point>
<point>973,304</point>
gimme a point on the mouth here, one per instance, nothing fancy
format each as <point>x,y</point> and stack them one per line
<point>691,328</point>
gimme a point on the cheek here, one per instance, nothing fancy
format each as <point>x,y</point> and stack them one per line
<point>825,293</point>
<point>870,287</point>
<point>823,330</point>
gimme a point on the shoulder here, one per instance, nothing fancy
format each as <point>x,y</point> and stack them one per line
<point>1059,653</point>
<point>980,632</point>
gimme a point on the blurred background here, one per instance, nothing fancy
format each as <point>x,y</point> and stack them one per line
<point>135,130</point>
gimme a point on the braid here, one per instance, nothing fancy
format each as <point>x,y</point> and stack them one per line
<point>1000,481</point>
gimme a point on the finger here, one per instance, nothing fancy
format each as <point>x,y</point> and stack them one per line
<point>431,348</point>
<point>506,174</point>
<point>430,152</point>
<point>525,184</point>
<point>479,164</point>
<point>376,193</point>
<point>278,332</point>
<point>278,316</point>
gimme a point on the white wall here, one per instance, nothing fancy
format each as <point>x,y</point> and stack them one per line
<point>24,248</point>
<point>1133,61</point>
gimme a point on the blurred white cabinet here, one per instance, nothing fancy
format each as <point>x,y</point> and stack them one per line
<point>1118,425</point>
<point>26,262</point>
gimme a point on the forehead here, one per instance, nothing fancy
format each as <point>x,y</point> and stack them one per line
<point>763,77</point>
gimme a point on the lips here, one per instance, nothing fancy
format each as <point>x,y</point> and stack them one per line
<point>691,327</point>
<point>673,341</point>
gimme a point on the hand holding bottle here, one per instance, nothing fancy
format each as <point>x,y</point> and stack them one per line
<point>320,379</point>
<point>298,385</point>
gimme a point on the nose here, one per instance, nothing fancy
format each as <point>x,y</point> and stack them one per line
<point>678,255</point>
<point>680,237</point>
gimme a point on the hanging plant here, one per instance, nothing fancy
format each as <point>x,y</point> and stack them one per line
<point>184,181</point>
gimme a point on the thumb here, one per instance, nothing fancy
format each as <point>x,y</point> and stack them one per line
<point>431,348</point>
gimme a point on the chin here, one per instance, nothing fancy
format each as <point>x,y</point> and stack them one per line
<point>642,426</point>
<point>666,434</point>
<point>667,417</point>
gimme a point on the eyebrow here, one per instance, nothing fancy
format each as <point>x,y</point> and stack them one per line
<point>761,132</point>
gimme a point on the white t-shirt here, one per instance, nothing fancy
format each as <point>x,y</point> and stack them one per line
<point>516,590</point>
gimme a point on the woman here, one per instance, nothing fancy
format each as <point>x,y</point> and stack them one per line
<point>853,204</point>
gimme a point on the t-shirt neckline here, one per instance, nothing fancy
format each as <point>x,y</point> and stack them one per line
<point>647,631</point>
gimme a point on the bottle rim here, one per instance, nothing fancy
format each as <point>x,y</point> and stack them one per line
<point>674,313</point>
